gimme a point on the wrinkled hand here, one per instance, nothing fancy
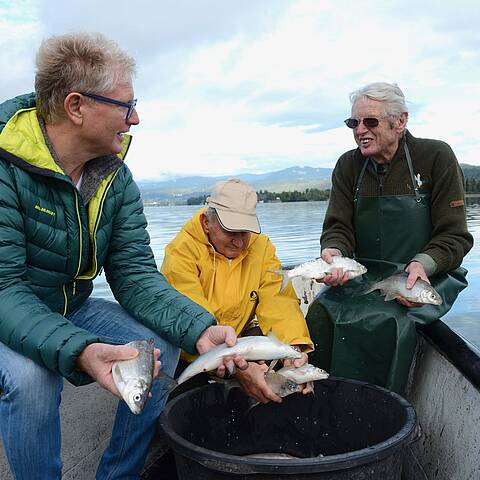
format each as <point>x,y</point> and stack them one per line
<point>97,359</point>
<point>253,383</point>
<point>298,362</point>
<point>337,276</point>
<point>216,335</point>
<point>415,270</point>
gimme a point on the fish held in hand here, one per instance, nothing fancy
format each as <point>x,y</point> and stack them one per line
<point>133,378</point>
<point>305,373</point>
<point>395,287</point>
<point>250,348</point>
<point>318,269</point>
<point>289,380</point>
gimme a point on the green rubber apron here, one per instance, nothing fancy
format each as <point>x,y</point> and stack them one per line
<point>361,336</point>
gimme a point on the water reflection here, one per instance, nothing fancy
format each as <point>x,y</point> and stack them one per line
<point>295,229</point>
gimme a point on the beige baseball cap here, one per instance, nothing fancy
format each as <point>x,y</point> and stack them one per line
<point>235,202</point>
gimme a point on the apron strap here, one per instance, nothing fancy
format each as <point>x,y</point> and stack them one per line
<point>360,178</point>
<point>410,168</point>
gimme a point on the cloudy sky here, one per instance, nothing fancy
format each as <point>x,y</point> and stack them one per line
<point>230,86</point>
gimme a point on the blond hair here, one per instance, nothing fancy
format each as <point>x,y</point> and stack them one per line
<point>77,62</point>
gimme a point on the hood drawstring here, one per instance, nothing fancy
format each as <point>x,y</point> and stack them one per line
<point>212,283</point>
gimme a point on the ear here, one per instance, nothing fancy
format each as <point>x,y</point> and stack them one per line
<point>401,123</point>
<point>204,223</point>
<point>73,105</point>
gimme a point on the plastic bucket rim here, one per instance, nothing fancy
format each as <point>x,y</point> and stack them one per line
<point>363,456</point>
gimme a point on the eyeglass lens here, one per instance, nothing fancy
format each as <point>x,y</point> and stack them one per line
<point>369,122</point>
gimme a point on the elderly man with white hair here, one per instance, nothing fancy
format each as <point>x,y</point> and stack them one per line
<point>397,203</point>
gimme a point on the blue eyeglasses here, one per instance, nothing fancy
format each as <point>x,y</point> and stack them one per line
<point>130,106</point>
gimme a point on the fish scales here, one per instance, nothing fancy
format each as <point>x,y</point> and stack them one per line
<point>395,286</point>
<point>319,268</point>
<point>133,378</point>
<point>250,348</point>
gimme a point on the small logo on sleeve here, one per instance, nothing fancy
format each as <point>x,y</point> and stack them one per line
<point>456,203</point>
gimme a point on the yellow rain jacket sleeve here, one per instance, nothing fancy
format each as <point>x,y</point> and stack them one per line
<point>235,291</point>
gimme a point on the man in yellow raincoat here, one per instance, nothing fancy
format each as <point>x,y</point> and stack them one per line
<point>221,261</point>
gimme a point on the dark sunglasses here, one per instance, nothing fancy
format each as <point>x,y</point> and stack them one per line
<point>130,106</point>
<point>369,122</point>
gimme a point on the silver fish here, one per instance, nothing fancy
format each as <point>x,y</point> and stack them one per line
<point>317,269</point>
<point>281,385</point>
<point>288,380</point>
<point>394,287</point>
<point>305,373</point>
<point>250,348</point>
<point>133,378</point>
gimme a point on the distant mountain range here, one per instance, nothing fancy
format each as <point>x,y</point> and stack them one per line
<point>181,189</point>
<point>178,191</point>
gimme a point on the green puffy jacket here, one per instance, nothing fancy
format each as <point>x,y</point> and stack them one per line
<point>52,245</point>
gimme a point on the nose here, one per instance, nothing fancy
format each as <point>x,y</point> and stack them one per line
<point>361,128</point>
<point>238,241</point>
<point>134,118</point>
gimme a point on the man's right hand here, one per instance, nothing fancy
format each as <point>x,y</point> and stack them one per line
<point>253,383</point>
<point>97,359</point>
<point>337,276</point>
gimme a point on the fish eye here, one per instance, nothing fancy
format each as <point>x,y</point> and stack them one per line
<point>137,397</point>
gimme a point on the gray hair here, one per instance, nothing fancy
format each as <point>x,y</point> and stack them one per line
<point>389,93</point>
<point>77,62</point>
<point>210,213</point>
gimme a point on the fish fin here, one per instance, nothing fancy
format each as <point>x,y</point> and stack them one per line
<point>272,365</point>
<point>390,296</point>
<point>230,366</point>
<point>285,278</point>
<point>274,338</point>
<point>252,403</point>
<point>168,378</point>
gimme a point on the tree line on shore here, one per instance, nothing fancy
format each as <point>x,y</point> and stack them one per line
<point>309,195</point>
<point>472,185</point>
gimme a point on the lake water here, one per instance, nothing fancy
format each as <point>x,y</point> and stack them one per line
<point>295,229</point>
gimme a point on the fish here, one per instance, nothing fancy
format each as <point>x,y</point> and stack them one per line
<point>394,287</point>
<point>306,373</point>
<point>133,378</point>
<point>250,348</point>
<point>319,268</point>
<point>271,456</point>
<point>289,379</point>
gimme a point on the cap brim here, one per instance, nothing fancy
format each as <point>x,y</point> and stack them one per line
<point>238,222</point>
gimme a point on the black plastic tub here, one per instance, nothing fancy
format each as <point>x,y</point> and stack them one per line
<point>347,430</point>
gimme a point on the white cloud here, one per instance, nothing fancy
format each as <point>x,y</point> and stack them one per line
<point>229,87</point>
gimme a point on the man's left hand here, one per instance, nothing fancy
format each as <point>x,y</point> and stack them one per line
<point>216,335</point>
<point>415,270</point>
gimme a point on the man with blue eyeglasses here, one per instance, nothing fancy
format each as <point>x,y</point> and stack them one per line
<point>397,203</point>
<point>68,208</point>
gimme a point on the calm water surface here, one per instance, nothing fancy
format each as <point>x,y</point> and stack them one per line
<point>295,229</point>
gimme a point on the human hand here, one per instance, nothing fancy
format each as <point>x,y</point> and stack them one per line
<point>216,335</point>
<point>415,270</point>
<point>337,276</point>
<point>297,363</point>
<point>253,383</point>
<point>97,360</point>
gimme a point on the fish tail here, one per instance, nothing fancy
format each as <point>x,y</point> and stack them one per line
<point>366,289</point>
<point>285,278</point>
